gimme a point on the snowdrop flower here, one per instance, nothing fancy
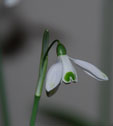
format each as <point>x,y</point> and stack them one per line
<point>64,71</point>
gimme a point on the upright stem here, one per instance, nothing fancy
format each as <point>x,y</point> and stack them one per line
<point>41,77</point>
<point>38,94</point>
<point>42,74</point>
<point>43,69</point>
<point>34,110</point>
<point>3,95</point>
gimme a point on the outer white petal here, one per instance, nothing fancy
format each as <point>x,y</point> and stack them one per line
<point>92,76</point>
<point>54,76</point>
<point>68,70</point>
<point>90,69</point>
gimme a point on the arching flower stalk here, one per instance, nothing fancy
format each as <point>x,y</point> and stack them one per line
<point>62,71</point>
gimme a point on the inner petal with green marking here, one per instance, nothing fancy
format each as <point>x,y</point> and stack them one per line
<point>69,76</point>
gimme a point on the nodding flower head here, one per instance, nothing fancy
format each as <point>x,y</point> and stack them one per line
<point>64,71</point>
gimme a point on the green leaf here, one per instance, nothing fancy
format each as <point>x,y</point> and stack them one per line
<point>3,97</point>
<point>45,44</point>
<point>41,77</point>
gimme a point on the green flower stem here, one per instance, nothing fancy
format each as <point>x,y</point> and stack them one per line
<point>42,74</point>
<point>41,79</point>
<point>43,69</point>
<point>46,54</point>
<point>3,95</point>
<point>34,110</point>
<point>38,94</point>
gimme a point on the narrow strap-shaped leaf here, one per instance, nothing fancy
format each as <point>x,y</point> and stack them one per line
<point>45,44</point>
<point>41,77</point>
<point>3,97</point>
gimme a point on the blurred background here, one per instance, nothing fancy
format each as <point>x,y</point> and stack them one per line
<point>85,28</point>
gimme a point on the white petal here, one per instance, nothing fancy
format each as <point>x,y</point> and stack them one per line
<point>92,76</point>
<point>54,76</point>
<point>90,69</point>
<point>69,72</point>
